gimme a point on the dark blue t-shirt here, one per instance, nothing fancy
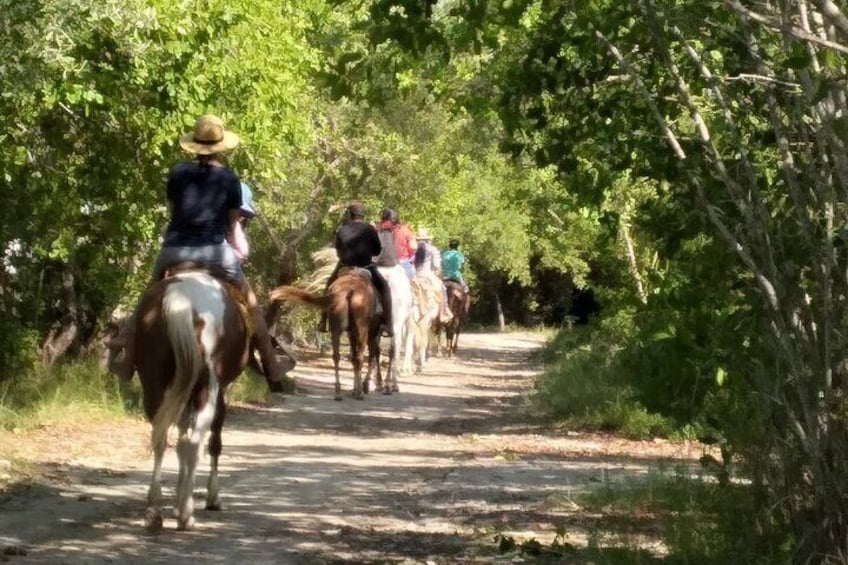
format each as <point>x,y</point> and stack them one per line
<point>201,198</point>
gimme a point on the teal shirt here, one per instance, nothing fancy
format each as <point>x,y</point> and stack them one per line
<point>452,262</point>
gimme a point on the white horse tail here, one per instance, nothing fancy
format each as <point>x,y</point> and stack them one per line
<point>178,312</point>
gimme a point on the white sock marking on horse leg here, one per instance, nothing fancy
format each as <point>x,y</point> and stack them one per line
<point>154,493</point>
<point>213,497</point>
<point>182,464</point>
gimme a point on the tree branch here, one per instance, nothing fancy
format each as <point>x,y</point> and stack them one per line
<point>786,28</point>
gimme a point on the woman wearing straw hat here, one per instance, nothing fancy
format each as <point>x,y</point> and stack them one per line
<point>205,203</point>
<point>428,263</point>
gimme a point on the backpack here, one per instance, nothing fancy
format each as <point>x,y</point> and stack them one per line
<point>420,255</point>
<point>388,256</point>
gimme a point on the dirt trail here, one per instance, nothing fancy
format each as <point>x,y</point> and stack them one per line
<point>424,476</point>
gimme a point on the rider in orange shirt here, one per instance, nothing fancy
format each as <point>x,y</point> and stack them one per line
<point>405,242</point>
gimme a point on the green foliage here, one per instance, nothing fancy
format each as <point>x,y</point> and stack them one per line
<point>41,396</point>
<point>248,388</point>
<point>586,386</point>
<point>700,521</point>
<point>99,92</point>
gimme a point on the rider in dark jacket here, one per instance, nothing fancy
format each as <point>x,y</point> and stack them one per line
<point>357,244</point>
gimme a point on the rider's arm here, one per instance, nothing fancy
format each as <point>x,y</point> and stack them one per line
<point>240,244</point>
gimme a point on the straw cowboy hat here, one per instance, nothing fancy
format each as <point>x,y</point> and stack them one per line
<point>423,234</point>
<point>209,137</point>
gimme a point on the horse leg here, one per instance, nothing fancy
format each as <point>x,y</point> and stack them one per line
<point>420,346</point>
<point>213,498</point>
<point>455,341</point>
<point>408,346</point>
<point>337,344</point>
<point>356,353</point>
<point>153,514</point>
<point>374,354</point>
<point>189,448</point>
<point>438,329</point>
<point>373,365</point>
<point>391,372</point>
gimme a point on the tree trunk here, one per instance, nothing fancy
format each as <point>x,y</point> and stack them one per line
<point>499,308</point>
<point>634,266</point>
<point>60,339</point>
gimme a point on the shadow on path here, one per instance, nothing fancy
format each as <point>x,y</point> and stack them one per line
<point>429,474</point>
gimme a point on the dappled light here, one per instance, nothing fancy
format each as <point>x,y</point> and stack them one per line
<point>422,474</point>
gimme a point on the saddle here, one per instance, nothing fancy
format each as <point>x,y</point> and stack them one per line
<point>425,295</point>
<point>358,271</point>
<point>220,274</point>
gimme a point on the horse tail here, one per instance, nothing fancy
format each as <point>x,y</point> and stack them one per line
<point>294,294</point>
<point>178,312</point>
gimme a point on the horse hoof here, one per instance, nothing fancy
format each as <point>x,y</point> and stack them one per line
<point>275,386</point>
<point>338,398</point>
<point>214,505</point>
<point>387,391</point>
<point>395,389</point>
<point>153,520</point>
<point>359,396</point>
<point>365,388</point>
<point>185,525</point>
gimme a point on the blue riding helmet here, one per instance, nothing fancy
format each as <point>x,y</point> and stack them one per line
<point>247,209</point>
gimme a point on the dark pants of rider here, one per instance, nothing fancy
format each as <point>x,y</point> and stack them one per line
<point>382,289</point>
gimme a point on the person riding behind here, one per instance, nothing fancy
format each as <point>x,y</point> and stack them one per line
<point>246,214</point>
<point>428,262</point>
<point>205,203</point>
<point>385,230</point>
<point>404,242</point>
<point>357,243</point>
<point>452,262</point>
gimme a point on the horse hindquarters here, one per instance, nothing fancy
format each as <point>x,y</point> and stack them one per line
<point>192,362</point>
<point>400,289</point>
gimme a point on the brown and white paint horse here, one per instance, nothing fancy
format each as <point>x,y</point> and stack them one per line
<point>350,304</point>
<point>192,342</point>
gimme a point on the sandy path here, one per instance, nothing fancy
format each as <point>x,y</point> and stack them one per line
<point>424,476</point>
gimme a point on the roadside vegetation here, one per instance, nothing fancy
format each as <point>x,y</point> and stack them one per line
<point>675,170</point>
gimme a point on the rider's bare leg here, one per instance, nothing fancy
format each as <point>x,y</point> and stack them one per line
<point>262,337</point>
<point>445,315</point>
<point>124,366</point>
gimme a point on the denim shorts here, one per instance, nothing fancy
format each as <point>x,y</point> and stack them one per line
<point>221,254</point>
<point>408,268</point>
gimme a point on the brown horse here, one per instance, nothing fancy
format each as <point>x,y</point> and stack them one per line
<point>192,342</point>
<point>350,304</point>
<point>459,302</point>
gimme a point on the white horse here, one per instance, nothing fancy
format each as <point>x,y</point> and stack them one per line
<point>401,291</point>
<point>425,309</point>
